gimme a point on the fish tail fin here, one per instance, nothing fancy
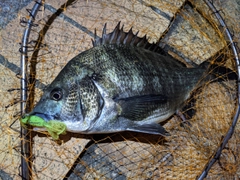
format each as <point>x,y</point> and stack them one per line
<point>215,71</point>
<point>218,73</point>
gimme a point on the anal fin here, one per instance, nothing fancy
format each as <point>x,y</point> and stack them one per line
<point>152,128</point>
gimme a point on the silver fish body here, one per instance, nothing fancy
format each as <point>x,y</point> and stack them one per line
<point>118,86</point>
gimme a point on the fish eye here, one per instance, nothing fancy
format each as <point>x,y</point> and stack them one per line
<point>56,94</point>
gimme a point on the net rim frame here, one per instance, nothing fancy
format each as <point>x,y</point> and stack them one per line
<point>25,171</point>
<point>231,129</point>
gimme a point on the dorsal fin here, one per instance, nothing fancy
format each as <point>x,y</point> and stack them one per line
<point>118,36</point>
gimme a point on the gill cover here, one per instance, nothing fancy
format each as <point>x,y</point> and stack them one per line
<point>91,101</point>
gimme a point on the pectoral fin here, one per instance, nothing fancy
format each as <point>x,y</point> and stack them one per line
<point>137,108</point>
<point>153,128</point>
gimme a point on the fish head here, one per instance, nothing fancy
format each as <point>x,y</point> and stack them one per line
<point>51,103</point>
<point>72,99</point>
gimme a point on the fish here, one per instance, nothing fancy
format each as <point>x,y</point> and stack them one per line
<point>122,83</point>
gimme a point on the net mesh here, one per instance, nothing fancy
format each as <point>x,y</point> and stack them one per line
<point>188,31</point>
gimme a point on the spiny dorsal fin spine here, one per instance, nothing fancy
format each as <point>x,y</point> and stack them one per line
<point>128,37</point>
<point>118,36</point>
<point>134,42</point>
<point>114,34</point>
<point>121,36</point>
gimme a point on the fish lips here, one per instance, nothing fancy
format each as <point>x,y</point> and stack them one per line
<point>45,117</point>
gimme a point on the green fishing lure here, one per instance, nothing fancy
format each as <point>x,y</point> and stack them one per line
<point>54,127</point>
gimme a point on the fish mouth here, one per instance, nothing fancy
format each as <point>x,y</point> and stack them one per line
<point>45,117</point>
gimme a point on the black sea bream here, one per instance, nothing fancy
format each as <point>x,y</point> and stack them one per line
<point>123,83</point>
